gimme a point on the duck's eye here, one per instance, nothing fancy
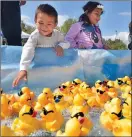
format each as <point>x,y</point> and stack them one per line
<point>64,86</point>
<point>31,111</point>
<point>20,93</point>
<point>120,81</point>
<point>1,91</point>
<point>78,114</point>
<point>60,96</point>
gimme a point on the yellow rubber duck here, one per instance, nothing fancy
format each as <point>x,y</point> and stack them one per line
<point>43,99</point>
<point>101,95</point>
<point>86,123</point>
<point>126,110</point>
<point>112,112</point>
<point>60,102</point>
<point>99,83</point>
<point>85,90</point>
<point>79,102</point>
<point>52,119</point>
<point>127,86</point>
<point>118,83</point>
<point>122,127</point>
<point>74,91</point>
<point>12,97</point>
<point>112,91</point>
<point>26,123</point>
<point>126,94</point>
<point>76,82</point>
<point>100,98</point>
<point>6,109</point>
<point>6,131</point>
<point>72,128</point>
<point>26,97</point>
<point>66,88</point>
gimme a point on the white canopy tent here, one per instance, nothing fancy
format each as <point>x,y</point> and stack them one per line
<point>24,35</point>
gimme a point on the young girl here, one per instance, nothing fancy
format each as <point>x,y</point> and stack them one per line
<point>86,33</point>
<point>46,19</point>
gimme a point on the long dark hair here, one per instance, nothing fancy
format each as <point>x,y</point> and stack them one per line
<point>88,8</point>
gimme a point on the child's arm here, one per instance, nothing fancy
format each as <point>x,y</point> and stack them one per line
<point>72,34</point>
<point>26,58</point>
<point>28,52</point>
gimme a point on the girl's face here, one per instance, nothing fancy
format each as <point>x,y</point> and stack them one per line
<point>94,16</point>
<point>45,24</point>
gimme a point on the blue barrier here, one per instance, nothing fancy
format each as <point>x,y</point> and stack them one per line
<point>48,70</point>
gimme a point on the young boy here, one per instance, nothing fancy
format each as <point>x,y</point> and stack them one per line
<point>45,35</point>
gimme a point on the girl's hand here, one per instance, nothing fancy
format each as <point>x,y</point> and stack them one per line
<point>59,51</point>
<point>21,75</point>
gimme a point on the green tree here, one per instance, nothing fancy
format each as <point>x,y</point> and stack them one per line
<point>116,44</point>
<point>27,28</point>
<point>67,24</point>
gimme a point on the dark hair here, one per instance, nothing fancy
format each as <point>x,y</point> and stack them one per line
<point>88,8</point>
<point>48,9</point>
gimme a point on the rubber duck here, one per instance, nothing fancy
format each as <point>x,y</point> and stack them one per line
<point>79,102</point>
<point>86,123</point>
<point>66,88</point>
<point>26,123</point>
<point>112,91</point>
<point>52,119</point>
<point>12,97</point>
<point>118,83</point>
<point>76,82</point>
<point>126,110</point>
<point>6,131</point>
<point>72,128</point>
<point>127,80</point>
<point>92,102</point>
<point>74,91</point>
<point>85,90</point>
<point>122,127</point>
<point>112,112</point>
<point>99,83</point>
<point>100,98</point>
<point>60,102</point>
<point>126,87</point>
<point>6,109</point>
<point>126,94</point>
<point>26,97</point>
<point>43,99</point>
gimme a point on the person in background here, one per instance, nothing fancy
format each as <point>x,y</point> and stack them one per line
<point>45,36</point>
<point>130,36</point>
<point>86,33</point>
<point>11,21</point>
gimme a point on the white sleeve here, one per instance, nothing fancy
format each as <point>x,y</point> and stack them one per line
<point>28,52</point>
<point>61,41</point>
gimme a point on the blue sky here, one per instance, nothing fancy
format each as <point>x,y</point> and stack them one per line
<point>116,17</point>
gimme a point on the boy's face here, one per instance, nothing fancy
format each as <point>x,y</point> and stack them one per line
<point>45,24</point>
<point>94,16</point>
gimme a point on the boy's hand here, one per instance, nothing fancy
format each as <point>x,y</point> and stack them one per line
<point>59,51</point>
<point>21,75</point>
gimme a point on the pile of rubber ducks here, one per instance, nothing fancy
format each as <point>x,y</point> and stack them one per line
<point>77,97</point>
